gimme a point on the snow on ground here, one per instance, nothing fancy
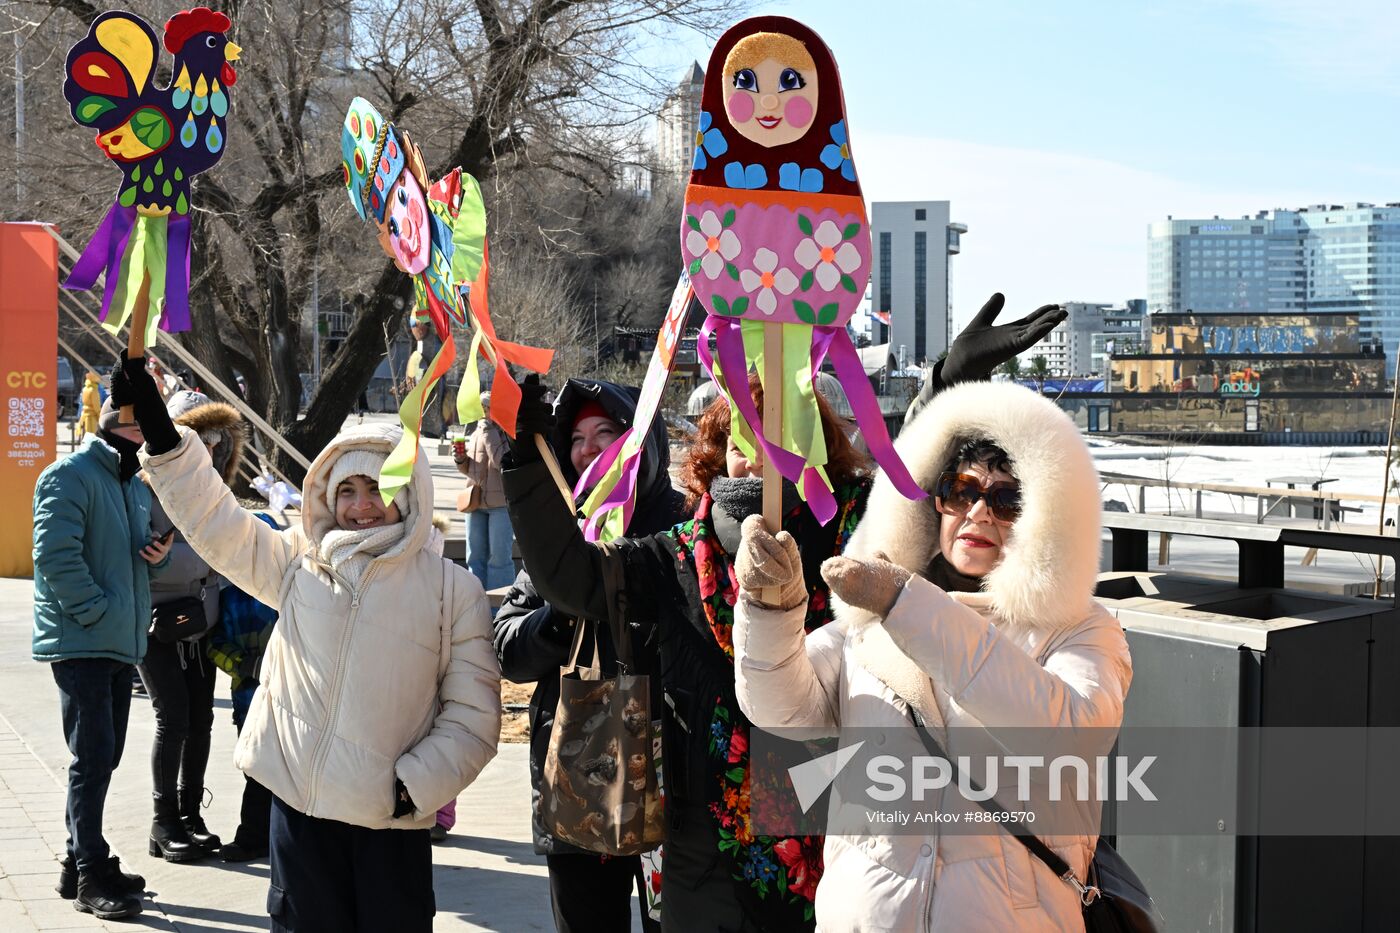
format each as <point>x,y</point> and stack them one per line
<point>1355,469</point>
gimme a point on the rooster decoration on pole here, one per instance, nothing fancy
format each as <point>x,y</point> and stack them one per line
<point>160,138</point>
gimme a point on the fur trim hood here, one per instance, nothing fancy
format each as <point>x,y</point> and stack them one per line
<point>224,418</point>
<point>1049,567</point>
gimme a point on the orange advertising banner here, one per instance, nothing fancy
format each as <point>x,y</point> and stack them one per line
<point>28,382</point>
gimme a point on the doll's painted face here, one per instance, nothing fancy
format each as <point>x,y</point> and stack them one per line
<point>770,89</point>
<point>405,235</point>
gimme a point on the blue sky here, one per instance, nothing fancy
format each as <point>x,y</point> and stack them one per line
<point>1059,130</point>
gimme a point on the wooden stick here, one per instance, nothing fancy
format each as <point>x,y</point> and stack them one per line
<point>136,337</point>
<point>547,454</point>
<point>773,431</point>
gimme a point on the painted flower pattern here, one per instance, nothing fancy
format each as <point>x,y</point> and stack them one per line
<point>712,245</point>
<point>709,142</point>
<point>747,177</point>
<point>827,254</point>
<point>837,154</point>
<point>765,278</point>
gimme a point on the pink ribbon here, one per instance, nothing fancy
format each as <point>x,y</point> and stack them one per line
<point>851,374</point>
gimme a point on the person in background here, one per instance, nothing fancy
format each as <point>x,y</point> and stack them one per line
<point>94,557</point>
<point>178,675</point>
<point>92,405</point>
<point>489,534</point>
<point>586,890</point>
<point>379,696</point>
<point>680,594</point>
<point>236,647</point>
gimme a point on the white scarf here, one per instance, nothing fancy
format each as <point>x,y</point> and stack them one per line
<point>349,550</point>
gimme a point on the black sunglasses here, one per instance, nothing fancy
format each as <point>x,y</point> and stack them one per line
<point>957,493</point>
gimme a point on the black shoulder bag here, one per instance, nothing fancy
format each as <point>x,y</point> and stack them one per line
<point>1114,898</point>
<point>181,619</point>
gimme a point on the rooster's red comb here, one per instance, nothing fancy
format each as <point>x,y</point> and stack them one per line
<point>192,22</point>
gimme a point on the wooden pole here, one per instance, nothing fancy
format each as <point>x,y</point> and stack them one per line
<point>547,455</point>
<point>773,431</point>
<point>136,337</point>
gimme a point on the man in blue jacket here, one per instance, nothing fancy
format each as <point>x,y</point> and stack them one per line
<point>93,557</point>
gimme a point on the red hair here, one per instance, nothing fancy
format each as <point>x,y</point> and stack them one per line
<point>183,25</point>
<point>706,458</point>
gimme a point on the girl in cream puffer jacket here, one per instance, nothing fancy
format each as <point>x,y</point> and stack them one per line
<point>352,692</point>
<point>1030,649</point>
<point>379,678</point>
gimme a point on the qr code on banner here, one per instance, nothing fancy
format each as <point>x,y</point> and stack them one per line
<point>26,417</point>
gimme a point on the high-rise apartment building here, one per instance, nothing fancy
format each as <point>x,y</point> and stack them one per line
<point>911,243</point>
<point>1322,258</point>
<point>677,123</point>
<point>1081,344</point>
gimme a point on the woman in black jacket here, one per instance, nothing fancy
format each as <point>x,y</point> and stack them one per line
<point>587,891</point>
<point>716,875</point>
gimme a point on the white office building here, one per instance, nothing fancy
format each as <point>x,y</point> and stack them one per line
<point>1081,344</point>
<point>912,243</point>
<point>1338,257</point>
<point>676,125</point>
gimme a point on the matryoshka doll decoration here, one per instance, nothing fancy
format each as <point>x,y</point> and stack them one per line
<point>775,234</point>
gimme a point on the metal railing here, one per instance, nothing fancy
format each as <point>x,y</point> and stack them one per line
<point>83,309</point>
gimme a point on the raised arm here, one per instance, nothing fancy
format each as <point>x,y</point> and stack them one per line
<point>231,539</point>
<point>983,346</point>
<point>254,557</point>
<point>568,571</point>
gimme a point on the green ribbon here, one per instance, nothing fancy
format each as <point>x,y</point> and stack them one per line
<point>145,255</point>
<point>468,233</point>
<point>469,408</point>
<point>398,469</point>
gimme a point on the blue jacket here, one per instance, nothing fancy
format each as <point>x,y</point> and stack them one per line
<point>92,591</point>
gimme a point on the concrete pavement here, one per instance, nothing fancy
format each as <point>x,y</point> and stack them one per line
<point>486,876</point>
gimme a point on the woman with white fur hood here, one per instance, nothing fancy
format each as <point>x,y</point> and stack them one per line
<point>379,696</point>
<point>975,608</point>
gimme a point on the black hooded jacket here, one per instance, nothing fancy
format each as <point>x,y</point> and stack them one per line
<point>532,639</point>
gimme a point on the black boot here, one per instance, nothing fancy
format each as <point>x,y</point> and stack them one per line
<point>237,851</point>
<point>169,838</point>
<point>127,882</point>
<point>194,823</point>
<point>100,894</point>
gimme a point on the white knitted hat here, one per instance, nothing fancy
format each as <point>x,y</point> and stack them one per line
<point>361,463</point>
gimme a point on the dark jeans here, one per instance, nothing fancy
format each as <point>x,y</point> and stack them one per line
<point>591,894</point>
<point>180,679</point>
<point>95,696</point>
<point>337,878</point>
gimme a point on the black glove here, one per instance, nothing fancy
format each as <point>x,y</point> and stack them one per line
<point>534,417</point>
<point>120,389</point>
<point>403,804</point>
<point>982,346</point>
<point>136,388</point>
